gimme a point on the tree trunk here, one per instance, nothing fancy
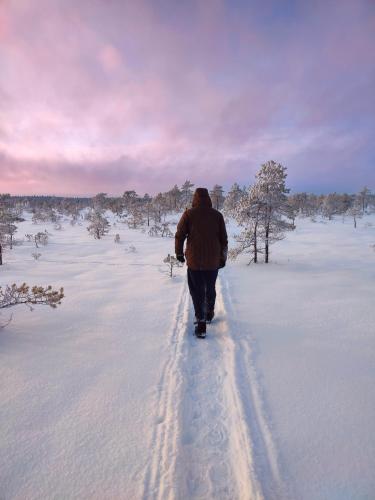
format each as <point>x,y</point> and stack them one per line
<point>1,255</point>
<point>266,245</point>
<point>255,246</point>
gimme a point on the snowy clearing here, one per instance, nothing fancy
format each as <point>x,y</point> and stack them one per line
<point>112,396</point>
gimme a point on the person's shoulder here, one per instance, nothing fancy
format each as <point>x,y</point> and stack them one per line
<point>217,213</point>
<point>203,211</point>
<point>187,212</point>
<point>184,216</point>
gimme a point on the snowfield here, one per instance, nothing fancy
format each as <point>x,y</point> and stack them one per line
<point>112,396</point>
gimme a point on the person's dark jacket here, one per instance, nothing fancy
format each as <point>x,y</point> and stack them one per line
<point>204,228</point>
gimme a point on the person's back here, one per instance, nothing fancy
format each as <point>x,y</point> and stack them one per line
<point>206,251</point>
<point>204,227</point>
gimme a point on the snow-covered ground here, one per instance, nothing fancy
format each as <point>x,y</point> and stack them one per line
<point>310,320</point>
<point>111,395</point>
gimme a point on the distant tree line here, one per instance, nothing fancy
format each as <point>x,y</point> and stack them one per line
<point>264,210</point>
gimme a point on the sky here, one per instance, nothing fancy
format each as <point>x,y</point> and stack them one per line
<point>112,95</point>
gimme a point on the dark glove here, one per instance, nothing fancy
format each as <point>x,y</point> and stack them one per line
<point>222,263</point>
<point>180,258</point>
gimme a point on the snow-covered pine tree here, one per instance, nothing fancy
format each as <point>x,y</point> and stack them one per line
<point>217,196</point>
<point>363,197</point>
<point>130,199</point>
<point>248,214</point>
<point>231,200</point>
<point>356,210</point>
<point>8,229</point>
<point>155,230</point>
<point>345,202</point>
<point>330,205</point>
<point>99,224</point>
<point>116,205</point>
<point>41,238</point>
<point>9,216</point>
<point>171,262</point>
<point>308,204</point>
<point>166,230</point>
<point>270,183</point>
<point>294,206</point>
<point>186,193</point>
<point>174,197</point>
<point>135,217</point>
<point>99,202</point>
<point>147,207</point>
<point>159,207</point>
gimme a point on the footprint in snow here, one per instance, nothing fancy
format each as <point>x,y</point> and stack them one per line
<point>219,474</point>
<point>198,484</point>
<point>217,436</point>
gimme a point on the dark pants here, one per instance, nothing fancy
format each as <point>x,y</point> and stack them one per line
<point>202,290</point>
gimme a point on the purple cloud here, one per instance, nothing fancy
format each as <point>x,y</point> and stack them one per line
<point>147,94</point>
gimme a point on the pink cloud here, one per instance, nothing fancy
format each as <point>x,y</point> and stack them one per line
<point>110,58</point>
<point>171,85</point>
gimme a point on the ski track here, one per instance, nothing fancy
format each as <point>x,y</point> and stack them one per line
<point>211,438</point>
<point>159,483</point>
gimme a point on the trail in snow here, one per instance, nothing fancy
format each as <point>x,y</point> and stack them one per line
<point>264,451</point>
<point>158,483</point>
<point>211,438</point>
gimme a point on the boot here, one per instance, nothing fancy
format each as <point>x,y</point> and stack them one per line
<point>200,329</point>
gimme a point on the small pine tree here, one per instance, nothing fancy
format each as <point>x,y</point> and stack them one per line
<point>186,193</point>
<point>355,211</point>
<point>363,197</point>
<point>217,196</point>
<point>41,239</point>
<point>270,181</point>
<point>248,213</point>
<point>232,199</point>
<point>263,212</point>
<point>171,262</point>
<point>135,217</point>
<point>166,231</point>
<point>99,224</point>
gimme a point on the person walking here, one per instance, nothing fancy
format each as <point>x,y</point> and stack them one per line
<point>206,253</point>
